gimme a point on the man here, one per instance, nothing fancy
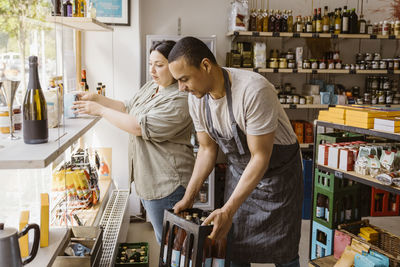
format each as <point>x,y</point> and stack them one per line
<point>239,112</point>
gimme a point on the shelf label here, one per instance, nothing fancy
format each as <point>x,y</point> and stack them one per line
<point>372,36</point>
<point>314,71</point>
<point>331,106</point>
<point>236,33</point>
<point>292,106</point>
<point>315,35</point>
<point>276,34</point>
<point>295,71</point>
<point>390,71</point>
<point>256,34</point>
<point>255,70</point>
<point>334,36</point>
<point>296,35</point>
<point>339,174</point>
<point>276,70</point>
<point>352,71</point>
<point>392,37</point>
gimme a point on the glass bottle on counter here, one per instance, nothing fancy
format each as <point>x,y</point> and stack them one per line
<point>362,25</point>
<point>320,209</point>
<point>318,25</point>
<point>265,20</point>
<point>290,22</point>
<point>353,22</point>
<point>345,20</point>
<point>325,21</point>
<point>35,127</point>
<point>338,22</point>
<point>259,20</point>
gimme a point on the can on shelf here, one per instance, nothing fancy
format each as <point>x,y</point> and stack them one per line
<point>331,64</point>
<point>306,64</point>
<point>382,64</point>
<point>314,64</point>
<point>283,63</point>
<point>289,99</point>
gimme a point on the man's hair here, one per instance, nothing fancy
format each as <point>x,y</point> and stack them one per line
<point>164,47</point>
<point>193,50</point>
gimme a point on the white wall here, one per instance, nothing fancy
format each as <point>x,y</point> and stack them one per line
<point>114,59</point>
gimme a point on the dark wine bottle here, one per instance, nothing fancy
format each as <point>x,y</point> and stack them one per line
<point>34,126</point>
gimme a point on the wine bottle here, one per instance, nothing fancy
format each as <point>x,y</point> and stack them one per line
<point>35,129</point>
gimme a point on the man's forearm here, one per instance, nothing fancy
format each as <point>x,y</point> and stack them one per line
<point>204,164</point>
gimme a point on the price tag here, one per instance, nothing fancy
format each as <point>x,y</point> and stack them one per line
<point>276,34</point>
<point>296,35</point>
<point>339,174</point>
<point>392,37</point>
<point>315,35</point>
<point>255,70</point>
<point>295,70</point>
<point>372,36</point>
<point>276,70</point>
<point>352,71</point>
<point>255,34</point>
<point>236,33</point>
<point>334,36</point>
<point>292,106</point>
<point>314,71</point>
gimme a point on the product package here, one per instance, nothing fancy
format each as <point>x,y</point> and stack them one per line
<point>239,16</point>
<point>259,55</point>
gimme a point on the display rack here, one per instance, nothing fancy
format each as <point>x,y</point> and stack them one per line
<point>322,71</point>
<point>18,155</point>
<point>80,23</point>
<point>311,35</point>
<point>351,175</point>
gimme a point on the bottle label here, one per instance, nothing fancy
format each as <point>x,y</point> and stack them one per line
<point>348,215</point>
<point>320,212</point>
<point>17,118</point>
<point>325,28</point>
<point>165,253</point>
<point>345,24</point>
<point>362,27</point>
<point>299,27</point>
<point>182,263</point>
<point>207,262</point>
<point>337,27</point>
<point>175,257</point>
<point>218,262</point>
<point>327,214</point>
<point>4,121</point>
<point>309,28</point>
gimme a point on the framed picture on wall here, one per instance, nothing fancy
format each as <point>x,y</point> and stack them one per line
<point>211,42</point>
<point>113,12</point>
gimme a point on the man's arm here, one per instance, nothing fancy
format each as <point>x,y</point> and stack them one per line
<point>205,161</point>
<point>260,148</point>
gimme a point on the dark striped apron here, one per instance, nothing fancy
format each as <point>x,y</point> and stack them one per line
<point>267,225</point>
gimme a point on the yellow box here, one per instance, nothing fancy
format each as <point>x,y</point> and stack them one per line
<point>361,120</point>
<point>359,125</point>
<point>369,232</point>
<point>24,240</point>
<point>44,220</point>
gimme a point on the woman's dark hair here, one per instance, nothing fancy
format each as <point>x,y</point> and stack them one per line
<point>191,49</point>
<point>164,47</point>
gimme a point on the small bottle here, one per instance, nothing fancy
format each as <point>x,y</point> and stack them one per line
<point>353,22</point>
<point>92,10</point>
<point>253,21</point>
<point>265,20</point>
<point>70,12</point>
<point>370,28</point>
<point>397,28</point>
<point>177,247</point>
<point>259,20</point>
<point>318,25</point>
<point>290,22</point>
<point>325,21</point>
<point>278,21</point>
<point>271,21</point>
<point>345,21</point>
<point>385,28</point>
<point>314,21</point>
<point>298,27</point>
<point>362,25</point>
<point>332,22</point>
<point>309,26</point>
<point>326,209</point>
<point>338,22</point>
<point>320,210</point>
<point>219,252</point>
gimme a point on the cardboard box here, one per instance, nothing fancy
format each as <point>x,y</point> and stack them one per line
<point>308,132</point>
<point>346,162</point>
<point>333,157</point>
<point>44,220</point>
<point>323,152</point>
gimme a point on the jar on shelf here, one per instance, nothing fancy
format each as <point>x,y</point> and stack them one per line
<point>377,56</point>
<point>322,64</point>
<point>396,100</point>
<point>282,99</point>
<point>306,64</point>
<point>386,84</point>
<point>289,99</point>
<point>331,64</point>
<point>367,98</point>
<point>273,63</point>
<point>314,64</point>
<point>336,55</point>
<point>382,64</point>
<point>338,64</point>
<point>283,63</point>
<point>389,97</point>
<point>396,64</point>
<point>374,82</point>
<point>296,99</point>
<point>375,64</point>
<point>291,64</point>
<point>302,100</point>
<point>368,56</point>
<point>381,97</point>
<point>4,120</point>
<point>347,66</point>
<point>360,101</point>
<point>390,63</point>
<point>374,100</point>
<point>289,55</point>
<point>309,99</point>
<point>353,67</point>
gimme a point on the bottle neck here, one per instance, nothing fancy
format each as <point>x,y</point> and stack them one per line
<point>34,82</point>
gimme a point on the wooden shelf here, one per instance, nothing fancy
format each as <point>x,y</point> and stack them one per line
<point>46,256</point>
<point>328,261</point>
<point>306,106</point>
<point>364,179</point>
<point>321,71</point>
<point>17,155</point>
<point>81,24</point>
<point>310,35</point>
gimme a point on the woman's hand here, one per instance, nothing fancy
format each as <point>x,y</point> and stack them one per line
<point>88,107</point>
<point>222,220</point>
<point>86,96</point>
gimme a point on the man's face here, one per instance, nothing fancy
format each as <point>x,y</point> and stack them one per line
<point>191,79</point>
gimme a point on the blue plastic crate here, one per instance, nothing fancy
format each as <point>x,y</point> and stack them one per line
<point>328,247</point>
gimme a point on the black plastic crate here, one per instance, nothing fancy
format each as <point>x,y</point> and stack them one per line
<point>197,235</point>
<point>138,246</point>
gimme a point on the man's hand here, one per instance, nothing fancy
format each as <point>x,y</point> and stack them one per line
<point>88,107</point>
<point>222,223</point>
<point>183,204</point>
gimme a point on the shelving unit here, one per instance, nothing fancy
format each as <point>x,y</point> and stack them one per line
<point>310,35</point>
<point>81,24</point>
<point>322,71</point>
<point>351,175</point>
<point>18,155</point>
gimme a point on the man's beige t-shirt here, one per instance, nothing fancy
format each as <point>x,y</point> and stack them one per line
<point>256,109</point>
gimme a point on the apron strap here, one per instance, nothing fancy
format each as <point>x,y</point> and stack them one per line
<point>234,125</point>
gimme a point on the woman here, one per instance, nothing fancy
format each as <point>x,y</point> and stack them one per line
<point>158,121</point>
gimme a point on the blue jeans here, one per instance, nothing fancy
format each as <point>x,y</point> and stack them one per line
<point>293,263</point>
<point>155,209</point>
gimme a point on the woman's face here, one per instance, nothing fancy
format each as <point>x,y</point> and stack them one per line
<point>159,70</point>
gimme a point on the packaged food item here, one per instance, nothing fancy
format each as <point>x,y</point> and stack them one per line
<point>238,17</point>
<point>259,55</point>
<point>387,160</point>
<point>387,178</point>
<point>361,165</point>
<point>374,165</point>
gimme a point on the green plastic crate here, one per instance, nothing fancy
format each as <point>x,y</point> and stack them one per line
<point>133,246</point>
<point>336,206</point>
<point>328,181</point>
